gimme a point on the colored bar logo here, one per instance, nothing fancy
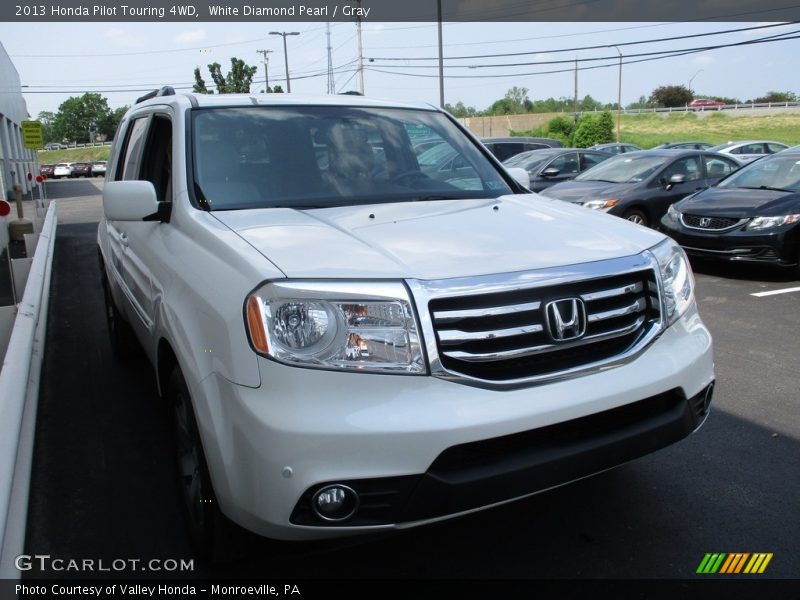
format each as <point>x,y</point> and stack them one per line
<point>734,563</point>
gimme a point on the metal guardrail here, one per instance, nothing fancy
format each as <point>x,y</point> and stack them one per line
<point>19,397</point>
<point>692,109</point>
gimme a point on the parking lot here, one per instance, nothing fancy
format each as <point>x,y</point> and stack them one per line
<point>103,483</point>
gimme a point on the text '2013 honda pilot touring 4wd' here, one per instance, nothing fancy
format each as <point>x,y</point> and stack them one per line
<point>352,344</point>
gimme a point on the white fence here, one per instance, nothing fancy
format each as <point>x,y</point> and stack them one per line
<point>19,396</point>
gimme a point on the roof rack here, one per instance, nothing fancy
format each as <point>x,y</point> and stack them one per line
<point>164,91</point>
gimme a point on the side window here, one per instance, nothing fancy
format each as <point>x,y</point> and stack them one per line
<point>590,160</point>
<point>716,167</point>
<point>688,167</point>
<point>773,148</point>
<point>156,161</point>
<point>129,164</point>
<point>566,164</point>
<point>506,150</point>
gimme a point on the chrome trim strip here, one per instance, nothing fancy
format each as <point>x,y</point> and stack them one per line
<point>620,291</point>
<point>445,316</point>
<point>532,351</point>
<point>637,306</point>
<point>456,336</point>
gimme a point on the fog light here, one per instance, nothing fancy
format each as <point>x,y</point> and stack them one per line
<point>335,503</point>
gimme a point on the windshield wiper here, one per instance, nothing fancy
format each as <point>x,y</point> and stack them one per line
<point>765,187</point>
<point>441,197</point>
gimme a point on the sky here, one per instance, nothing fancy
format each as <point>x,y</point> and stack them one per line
<point>119,60</point>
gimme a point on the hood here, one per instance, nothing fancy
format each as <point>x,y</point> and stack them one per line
<point>435,240</point>
<point>738,203</point>
<point>580,192</point>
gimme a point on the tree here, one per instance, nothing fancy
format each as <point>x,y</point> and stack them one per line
<point>594,129</point>
<point>671,95</point>
<point>777,97</point>
<point>46,118</point>
<point>78,116</point>
<point>460,111</point>
<point>237,81</point>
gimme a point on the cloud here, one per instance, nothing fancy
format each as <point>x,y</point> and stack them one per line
<point>120,37</point>
<point>191,37</point>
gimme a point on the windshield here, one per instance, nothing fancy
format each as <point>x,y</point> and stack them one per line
<point>623,169</point>
<point>777,172</point>
<point>321,156</point>
<point>721,147</point>
<point>530,161</point>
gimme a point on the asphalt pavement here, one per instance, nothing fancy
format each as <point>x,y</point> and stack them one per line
<point>103,483</point>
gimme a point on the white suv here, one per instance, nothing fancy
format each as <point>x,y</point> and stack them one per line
<point>350,344</point>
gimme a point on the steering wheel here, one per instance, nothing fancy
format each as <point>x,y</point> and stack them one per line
<point>408,177</point>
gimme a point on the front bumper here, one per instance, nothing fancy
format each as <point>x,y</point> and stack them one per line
<point>450,448</point>
<point>779,247</point>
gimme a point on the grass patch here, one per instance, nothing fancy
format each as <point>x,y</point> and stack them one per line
<point>88,154</point>
<point>648,130</point>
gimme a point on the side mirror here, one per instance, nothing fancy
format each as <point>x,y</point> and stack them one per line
<point>550,172</point>
<point>677,178</point>
<point>520,176</point>
<point>129,200</point>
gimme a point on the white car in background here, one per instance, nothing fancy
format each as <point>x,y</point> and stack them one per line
<point>62,170</point>
<point>749,150</point>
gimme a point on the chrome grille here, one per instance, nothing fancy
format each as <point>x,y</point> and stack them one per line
<point>710,223</point>
<point>508,335</point>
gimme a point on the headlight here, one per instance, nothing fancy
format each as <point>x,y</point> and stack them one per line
<point>673,214</point>
<point>358,326</point>
<point>601,204</point>
<point>676,275</point>
<point>768,222</point>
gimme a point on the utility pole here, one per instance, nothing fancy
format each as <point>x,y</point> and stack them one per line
<point>575,100</point>
<point>441,57</point>
<point>331,84</point>
<point>266,69</point>
<point>360,50</point>
<point>283,34</point>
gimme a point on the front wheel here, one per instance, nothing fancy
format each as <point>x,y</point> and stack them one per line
<point>636,216</point>
<point>212,534</point>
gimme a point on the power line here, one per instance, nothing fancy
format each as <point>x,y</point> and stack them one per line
<point>596,47</point>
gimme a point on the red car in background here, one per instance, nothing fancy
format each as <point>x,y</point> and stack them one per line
<point>705,103</point>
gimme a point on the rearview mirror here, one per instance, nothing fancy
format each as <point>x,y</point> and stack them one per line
<point>677,178</point>
<point>550,172</point>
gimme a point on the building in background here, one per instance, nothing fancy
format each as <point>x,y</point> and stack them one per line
<point>15,160</point>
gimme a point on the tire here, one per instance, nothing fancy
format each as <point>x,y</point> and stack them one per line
<point>213,535</point>
<point>123,341</point>
<point>637,216</point>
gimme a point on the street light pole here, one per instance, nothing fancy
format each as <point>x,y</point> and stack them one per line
<point>619,90</point>
<point>283,34</point>
<point>691,79</point>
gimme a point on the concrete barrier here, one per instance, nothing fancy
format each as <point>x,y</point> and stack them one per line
<point>19,395</point>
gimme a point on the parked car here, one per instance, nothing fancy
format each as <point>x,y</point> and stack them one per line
<point>506,147</point>
<point>614,148</point>
<point>751,216</point>
<point>683,146</point>
<point>640,186</point>
<point>553,165</point>
<point>705,103</point>
<point>749,150</point>
<point>99,168</point>
<point>349,350</point>
<point>53,146</point>
<point>81,169</point>
<point>62,170</point>
<point>47,170</point>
